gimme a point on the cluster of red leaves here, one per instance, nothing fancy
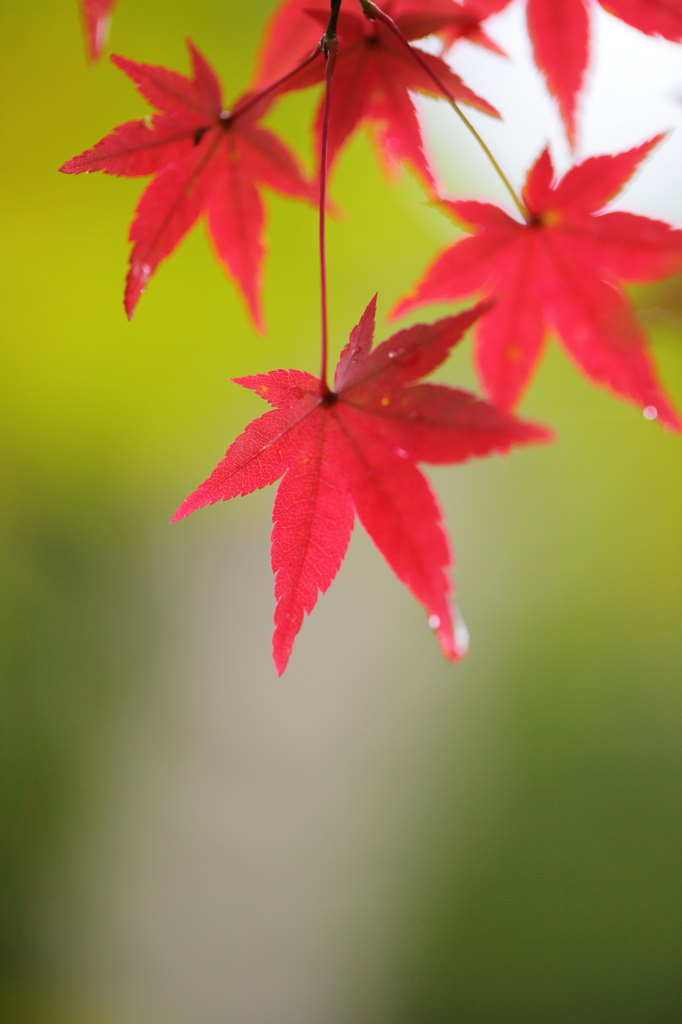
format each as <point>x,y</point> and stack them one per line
<point>354,449</point>
<point>559,31</point>
<point>374,76</point>
<point>208,159</point>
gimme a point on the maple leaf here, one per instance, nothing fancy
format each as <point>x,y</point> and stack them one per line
<point>467,23</point>
<point>353,451</point>
<point>374,73</point>
<point>560,34</point>
<point>96,19</point>
<point>562,270</point>
<point>205,160</point>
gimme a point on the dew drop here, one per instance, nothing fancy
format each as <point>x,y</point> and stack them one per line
<point>650,412</point>
<point>461,633</point>
<point>434,621</point>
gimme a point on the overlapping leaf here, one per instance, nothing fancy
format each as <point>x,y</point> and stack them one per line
<point>205,160</point>
<point>374,74</point>
<point>353,451</point>
<point>562,269</point>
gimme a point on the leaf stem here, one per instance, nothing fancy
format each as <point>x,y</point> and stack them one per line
<point>375,13</point>
<point>256,97</point>
<point>333,20</point>
<point>329,46</point>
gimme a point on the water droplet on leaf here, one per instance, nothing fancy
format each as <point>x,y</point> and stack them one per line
<point>461,633</point>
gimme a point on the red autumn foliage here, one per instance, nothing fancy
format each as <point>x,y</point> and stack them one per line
<point>560,270</point>
<point>353,451</point>
<point>374,75</point>
<point>205,160</point>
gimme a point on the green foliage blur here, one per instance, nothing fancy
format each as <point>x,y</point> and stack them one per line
<point>379,836</point>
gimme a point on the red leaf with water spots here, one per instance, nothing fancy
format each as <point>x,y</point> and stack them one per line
<point>205,161</point>
<point>96,18</point>
<point>374,76</point>
<point>560,34</point>
<point>353,451</point>
<point>561,270</point>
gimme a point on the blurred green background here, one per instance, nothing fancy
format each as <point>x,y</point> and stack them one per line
<point>379,836</point>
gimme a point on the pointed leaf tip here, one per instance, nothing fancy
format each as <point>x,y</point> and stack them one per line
<point>358,347</point>
<point>539,183</point>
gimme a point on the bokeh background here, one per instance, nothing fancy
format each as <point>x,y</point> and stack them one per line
<point>379,835</point>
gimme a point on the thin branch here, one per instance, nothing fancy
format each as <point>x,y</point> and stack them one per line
<point>330,48</point>
<point>374,13</point>
<point>256,97</point>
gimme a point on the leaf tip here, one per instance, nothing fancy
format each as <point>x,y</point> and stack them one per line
<point>192,503</point>
<point>453,634</point>
<point>481,308</point>
<point>183,510</point>
<point>658,138</point>
<point>280,657</point>
<point>255,308</point>
<point>468,317</point>
<point>539,432</point>
<point>402,307</point>
<point>665,414</point>
<point>136,282</point>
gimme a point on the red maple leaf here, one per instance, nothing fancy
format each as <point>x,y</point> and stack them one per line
<point>96,20</point>
<point>560,34</point>
<point>205,160</point>
<point>562,270</point>
<point>467,23</point>
<point>354,450</point>
<point>374,73</point>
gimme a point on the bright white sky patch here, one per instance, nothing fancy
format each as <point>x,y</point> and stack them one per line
<point>633,90</point>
